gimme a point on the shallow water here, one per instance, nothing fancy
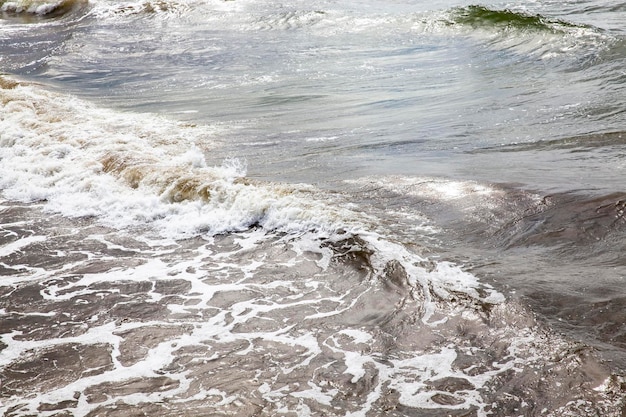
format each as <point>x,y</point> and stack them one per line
<point>253,208</point>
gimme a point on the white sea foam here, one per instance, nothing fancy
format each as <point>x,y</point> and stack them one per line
<point>244,308</point>
<point>221,328</point>
<point>39,7</point>
<point>19,244</point>
<point>131,170</point>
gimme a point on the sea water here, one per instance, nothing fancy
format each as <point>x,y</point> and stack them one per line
<point>320,208</point>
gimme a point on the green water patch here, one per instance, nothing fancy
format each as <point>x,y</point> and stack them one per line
<point>483,17</point>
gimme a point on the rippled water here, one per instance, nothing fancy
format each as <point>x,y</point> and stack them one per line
<point>316,208</point>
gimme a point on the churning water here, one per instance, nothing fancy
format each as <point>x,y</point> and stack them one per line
<point>322,208</point>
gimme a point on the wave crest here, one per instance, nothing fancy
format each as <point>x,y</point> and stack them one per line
<point>483,17</point>
<point>38,9</point>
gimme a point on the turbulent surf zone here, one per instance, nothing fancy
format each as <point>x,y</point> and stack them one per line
<point>138,279</point>
<point>311,209</point>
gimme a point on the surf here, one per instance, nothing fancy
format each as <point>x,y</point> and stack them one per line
<point>242,266</point>
<point>35,11</point>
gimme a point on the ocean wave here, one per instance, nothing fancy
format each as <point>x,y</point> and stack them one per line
<point>288,20</point>
<point>527,34</point>
<point>136,171</point>
<point>142,171</point>
<point>523,32</point>
<point>222,270</point>
<point>26,10</point>
<point>483,17</point>
<point>160,9</point>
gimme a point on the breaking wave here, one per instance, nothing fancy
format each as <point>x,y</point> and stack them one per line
<point>351,318</point>
<point>27,10</point>
<point>484,17</point>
